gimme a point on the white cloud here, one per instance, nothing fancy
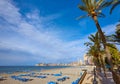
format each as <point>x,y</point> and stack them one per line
<point>31,35</point>
<point>9,12</point>
<point>109,29</point>
<point>38,41</point>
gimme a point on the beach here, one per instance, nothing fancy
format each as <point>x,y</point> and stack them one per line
<point>73,73</point>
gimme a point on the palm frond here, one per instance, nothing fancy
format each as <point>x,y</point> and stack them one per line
<point>80,17</point>
<point>93,3</point>
<point>83,8</point>
<point>101,15</point>
<point>113,7</point>
<point>84,1</point>
<point>91,38</point>
<point>88,44</point>
<point>88,5</point>
<point>106,4</point>
<point>99,2</point>
<point>111,45</point>
<point>97,36</point>
<point>103,5</point>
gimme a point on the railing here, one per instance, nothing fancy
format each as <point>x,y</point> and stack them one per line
<point>82,77</point>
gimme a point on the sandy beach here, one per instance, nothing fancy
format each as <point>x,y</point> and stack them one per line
<point>73,73</point>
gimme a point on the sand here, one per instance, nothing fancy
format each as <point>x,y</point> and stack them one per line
<point>72,72</point>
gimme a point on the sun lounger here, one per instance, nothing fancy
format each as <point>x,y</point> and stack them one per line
<point>24,75</point>
<point>15,77</point>
<point>20,78</point>
<point>41,76</point>
<point>76,81</point>
<point>66,77</point>
<point>63,78</point>
<point>52,82</point>
<point>23,79</point>
<point>57,75</point>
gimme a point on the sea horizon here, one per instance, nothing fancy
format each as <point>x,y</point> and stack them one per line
<point>13,69</point>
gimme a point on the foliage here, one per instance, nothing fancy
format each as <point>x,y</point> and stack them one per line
<point>93,7</point>
<point>115,38</point>
<point>94,47</point>
<point>115,4</point>
<point>115,55</point>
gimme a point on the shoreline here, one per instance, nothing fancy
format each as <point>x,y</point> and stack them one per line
<point>41,69</point>
<point>72,72</point>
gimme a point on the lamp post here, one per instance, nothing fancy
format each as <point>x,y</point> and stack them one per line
<point>94,79</point>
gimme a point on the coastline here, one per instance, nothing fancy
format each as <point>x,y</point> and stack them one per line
<point>72,72</point>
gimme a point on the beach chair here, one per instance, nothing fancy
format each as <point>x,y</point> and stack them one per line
<point>52,82</point>
<point>57,75</point>
<point>41,76</point>
<point>66,77</point>
<point>76,81</point>
<point>23,79</point>
<point>15,77</point>
<point>20,78</point>
<point>61,79</point>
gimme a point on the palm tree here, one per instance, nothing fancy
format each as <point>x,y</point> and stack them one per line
<point>93,51</point>
<point>93,9</point>
<point>96,50</point>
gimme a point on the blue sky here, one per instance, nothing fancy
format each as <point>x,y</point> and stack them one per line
<point>34,31</point>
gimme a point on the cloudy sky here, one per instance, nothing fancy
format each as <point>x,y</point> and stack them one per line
<point>35,31</point>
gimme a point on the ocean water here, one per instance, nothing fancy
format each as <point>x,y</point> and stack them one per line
<point>12,69</point>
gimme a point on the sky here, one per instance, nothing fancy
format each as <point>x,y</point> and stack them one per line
<point>46,31</point>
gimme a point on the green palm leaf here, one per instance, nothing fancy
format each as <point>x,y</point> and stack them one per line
<point>88,44</point>
<point>113,7</point>
<point>106,4</point>
<point>103,5</point>
<point>80,17</point>
<point>111,45</point>
<point>91,38</point>
<point>101,15</point>
<point>83,8</point>
<point>99,2</point>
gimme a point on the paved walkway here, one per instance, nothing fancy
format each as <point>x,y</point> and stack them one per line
<point>100,78</point>
<point>88,79</point>
<point>104,80</point>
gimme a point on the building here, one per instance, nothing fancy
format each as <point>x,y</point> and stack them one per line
<point>88,60</point>
<point>40,64</point>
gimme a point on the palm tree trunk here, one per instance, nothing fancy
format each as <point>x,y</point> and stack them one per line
<point>98,64</point>
<point>103,66</point>
<point>103,40</point>
<point>116,77</point>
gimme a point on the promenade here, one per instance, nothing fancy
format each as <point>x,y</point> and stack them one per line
<point>99,77</point>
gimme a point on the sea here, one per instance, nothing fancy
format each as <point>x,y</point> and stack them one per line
<point>12,69</point>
